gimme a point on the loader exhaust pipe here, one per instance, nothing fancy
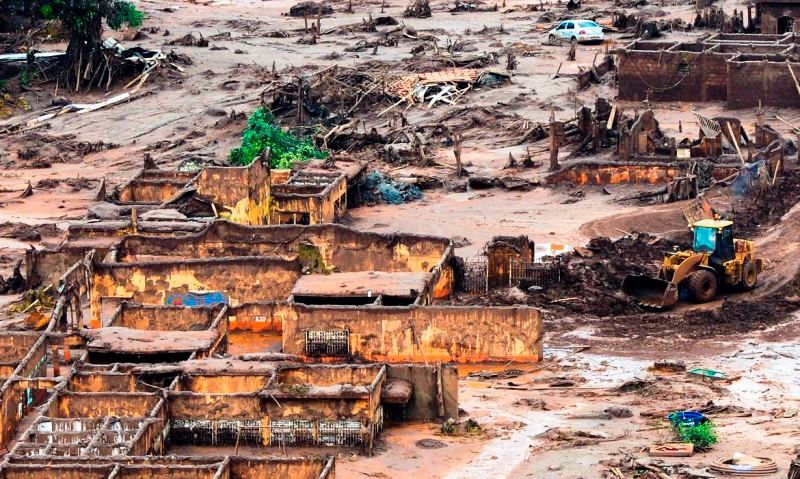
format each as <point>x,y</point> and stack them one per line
<point>650,292</point>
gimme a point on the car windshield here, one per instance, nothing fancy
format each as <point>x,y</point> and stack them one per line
<point>705,239</point>
<point>587,24</point>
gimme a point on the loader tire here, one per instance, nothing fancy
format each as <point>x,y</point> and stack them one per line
<point>749,276</point>
<point>702,286</point>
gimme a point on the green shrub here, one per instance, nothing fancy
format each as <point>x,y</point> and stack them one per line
<point>262,132</point>
<point>702,436</point>
<point>122,13</point>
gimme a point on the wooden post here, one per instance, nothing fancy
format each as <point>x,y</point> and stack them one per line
<point>554,166</point>
<point>735,139</point>
<point>54,357</point>
<point>440,385</point>
<point>299,100</point>
<point>135,220</point>
<point>457,153</point>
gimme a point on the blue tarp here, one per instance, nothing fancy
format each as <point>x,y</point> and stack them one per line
<point>750,179</point>
<point>196,300</point>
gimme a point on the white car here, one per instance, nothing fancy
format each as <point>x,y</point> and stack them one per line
<point>577,31</point>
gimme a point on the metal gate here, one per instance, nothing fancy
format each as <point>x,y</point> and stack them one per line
<point>534,274</point>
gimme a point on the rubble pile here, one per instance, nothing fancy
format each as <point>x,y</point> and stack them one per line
<point>769,204</point>
<point>445,86</point>
<point>592,276</point>
<point>331,96</point>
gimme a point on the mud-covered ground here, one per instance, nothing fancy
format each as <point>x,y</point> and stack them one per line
<point>198,114</point>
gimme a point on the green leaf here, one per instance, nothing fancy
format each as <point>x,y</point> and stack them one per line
<point>262,132</point>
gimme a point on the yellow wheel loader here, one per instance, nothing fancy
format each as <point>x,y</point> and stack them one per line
<point>716,259</point>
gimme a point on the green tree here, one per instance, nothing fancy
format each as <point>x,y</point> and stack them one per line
<point>83,21</point>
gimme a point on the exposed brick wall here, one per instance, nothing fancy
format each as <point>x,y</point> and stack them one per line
<point>673,76</point>
<point>770,82</point>
<point>770,12</point>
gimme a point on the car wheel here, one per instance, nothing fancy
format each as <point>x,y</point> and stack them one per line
<point>552,39</point>
<point>574,40</point>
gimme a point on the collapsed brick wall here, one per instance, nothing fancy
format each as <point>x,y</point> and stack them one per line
<point>586,77</point>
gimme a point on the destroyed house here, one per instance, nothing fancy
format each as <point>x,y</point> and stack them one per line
<point>328,290</point>
<point>645,154</point>
<point>777,16</point>
<point>743,70</point>
<point>254,194</point>
<point>183,467</point>
<point>121,409</point>
<point>116,421</point>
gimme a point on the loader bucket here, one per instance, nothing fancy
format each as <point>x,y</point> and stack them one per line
<point>651,292</point>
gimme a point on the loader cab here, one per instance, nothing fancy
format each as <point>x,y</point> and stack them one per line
<point>714,237</point>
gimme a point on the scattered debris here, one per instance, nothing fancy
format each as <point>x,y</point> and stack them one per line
<point>15,283</point>
<point>418,9</point>
<point>380,188</point>
<point>190,40</point>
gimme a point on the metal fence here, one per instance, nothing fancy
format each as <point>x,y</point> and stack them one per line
<point>280,432</point>
<point>220,432</point>
<point>476,280</point>
<point>531,273</point>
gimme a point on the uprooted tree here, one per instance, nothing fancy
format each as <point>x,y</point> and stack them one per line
<point>87,63</point>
